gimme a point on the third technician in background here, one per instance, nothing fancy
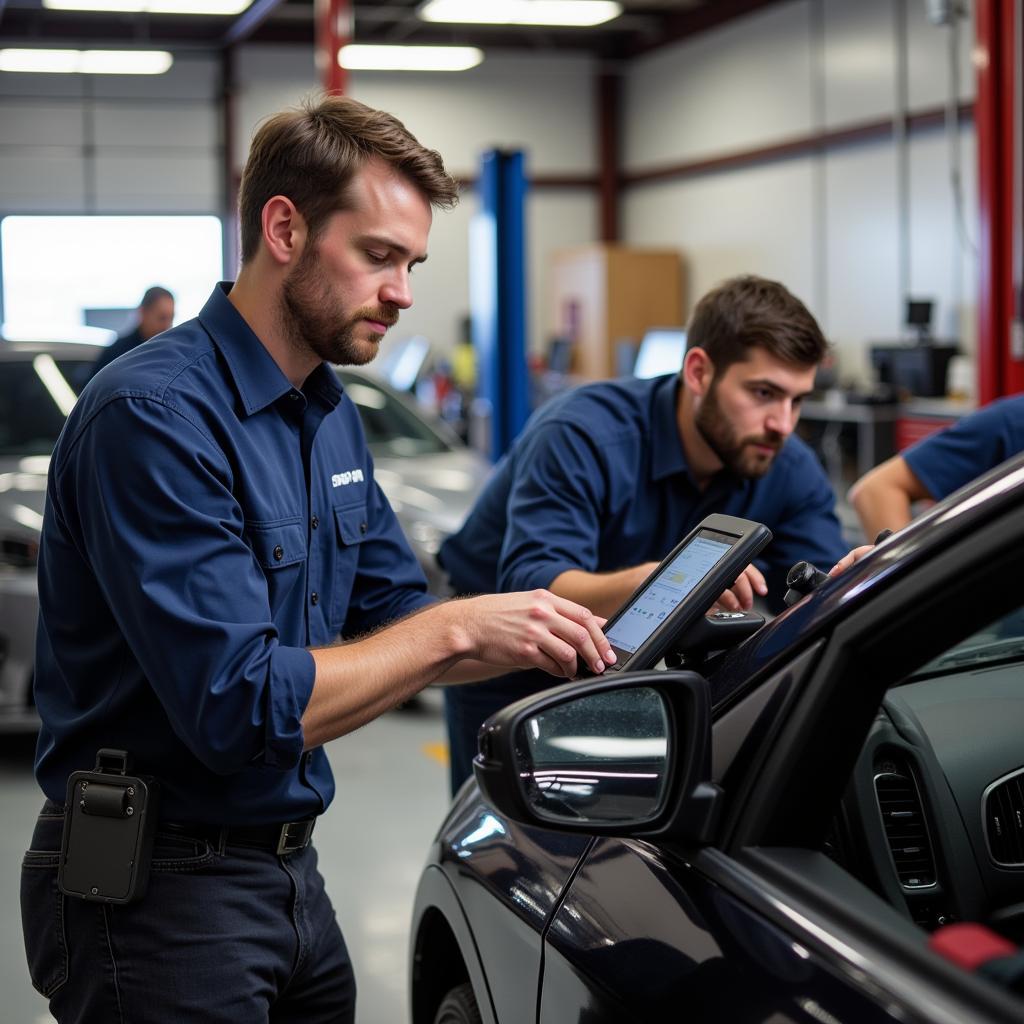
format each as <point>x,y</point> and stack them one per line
<point>938,465</point>
<point>606,479</point>
<point>156,315</point>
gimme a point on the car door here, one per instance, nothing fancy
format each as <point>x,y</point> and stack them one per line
<point>764,924</point>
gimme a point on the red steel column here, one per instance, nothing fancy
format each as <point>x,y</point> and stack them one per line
<point>997,117</point>
<point>333,31</point>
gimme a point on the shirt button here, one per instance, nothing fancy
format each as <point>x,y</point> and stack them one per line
<point>278,553</point>
<point>315,522</point>
<point>314,598</point>
<point>362,527</point>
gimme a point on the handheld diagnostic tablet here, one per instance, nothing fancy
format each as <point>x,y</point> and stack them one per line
<point>683,587</point>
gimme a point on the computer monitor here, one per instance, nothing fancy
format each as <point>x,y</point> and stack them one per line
<point>661,351</point>
<point>560,355</point>
<point>113,318</point>
<point>915,369</point>
<point>919,316</point>
<point>405,362</point>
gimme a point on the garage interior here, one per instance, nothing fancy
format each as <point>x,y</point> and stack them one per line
<point>866,154</point>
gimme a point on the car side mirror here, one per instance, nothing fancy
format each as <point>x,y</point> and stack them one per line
<point>617,755</point>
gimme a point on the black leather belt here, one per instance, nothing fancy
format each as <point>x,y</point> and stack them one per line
<point>284,838</point>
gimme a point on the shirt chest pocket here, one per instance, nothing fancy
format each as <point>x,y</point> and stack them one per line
<point>280,550</point>
<point>351,528</point>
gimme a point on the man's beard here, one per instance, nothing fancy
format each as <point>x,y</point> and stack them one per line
<point>312,321</point>
<point>737,454</point>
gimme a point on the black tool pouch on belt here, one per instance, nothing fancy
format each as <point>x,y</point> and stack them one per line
<point>109,824</point>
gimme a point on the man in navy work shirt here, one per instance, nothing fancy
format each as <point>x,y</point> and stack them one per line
<point>939,465</point>
<point>607,479</point>
<point>213,526</point>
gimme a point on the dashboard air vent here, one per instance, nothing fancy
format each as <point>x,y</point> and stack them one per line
<point>906,830</point>
<point>1003,810</point>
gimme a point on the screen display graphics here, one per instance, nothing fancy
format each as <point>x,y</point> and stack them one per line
<point>665,591</point>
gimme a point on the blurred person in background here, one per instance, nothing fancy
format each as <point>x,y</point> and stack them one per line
<point>939,465</point>
<point>156,315</point>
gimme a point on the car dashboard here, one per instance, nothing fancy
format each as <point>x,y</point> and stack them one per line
<point>934,816</point>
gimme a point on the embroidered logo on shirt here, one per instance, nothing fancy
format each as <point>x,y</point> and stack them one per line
<point>353,476</point>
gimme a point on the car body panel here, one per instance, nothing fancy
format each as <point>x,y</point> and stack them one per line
<point>523,870</point>
<point>630,913</point>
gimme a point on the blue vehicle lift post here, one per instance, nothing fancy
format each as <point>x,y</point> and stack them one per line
<point>498,297</point>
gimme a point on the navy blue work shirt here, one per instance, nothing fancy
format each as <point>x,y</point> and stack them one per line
<point>206,522</point>
<point>598,481</point>
<point>118,347</point>
<point>951,458</point>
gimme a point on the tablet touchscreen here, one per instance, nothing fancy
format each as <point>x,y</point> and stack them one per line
<point>664,591</point>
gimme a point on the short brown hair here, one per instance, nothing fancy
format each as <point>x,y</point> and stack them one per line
<point>312,154</point>
<point>753,312</point>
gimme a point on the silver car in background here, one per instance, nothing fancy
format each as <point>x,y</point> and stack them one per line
<point>428,475</point>
<point>38,386</point>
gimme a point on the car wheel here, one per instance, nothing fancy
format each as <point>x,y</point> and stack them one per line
<point>459,1007</point>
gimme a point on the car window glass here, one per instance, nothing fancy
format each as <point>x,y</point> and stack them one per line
<point>33,404</point>
<point>391,427</point>
<point>1002,640</point>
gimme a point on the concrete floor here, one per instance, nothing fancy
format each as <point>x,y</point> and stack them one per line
<point>392,794</point>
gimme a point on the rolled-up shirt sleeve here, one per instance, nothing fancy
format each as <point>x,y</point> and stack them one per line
<point>554,509</point>
<point>145,494</point>
<point>953,457</point>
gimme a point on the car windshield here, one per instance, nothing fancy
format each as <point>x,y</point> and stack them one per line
<point>391,427</point>
<point>35,398</point>
<point>1002,641</point>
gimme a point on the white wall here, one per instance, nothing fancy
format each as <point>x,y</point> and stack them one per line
<point>829,225</point>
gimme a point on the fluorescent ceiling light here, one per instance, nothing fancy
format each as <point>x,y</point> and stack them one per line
<point>151,6</point>
<point>87,62</point>
<point>578,13</point>
<point>365,57</point>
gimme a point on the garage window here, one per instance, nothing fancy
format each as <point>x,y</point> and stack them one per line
<point>81,278</point>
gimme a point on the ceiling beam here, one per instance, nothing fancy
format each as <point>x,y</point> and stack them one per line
<point>248,21</point>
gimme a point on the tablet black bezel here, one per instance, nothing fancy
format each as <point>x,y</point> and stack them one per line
<point>748,539</point>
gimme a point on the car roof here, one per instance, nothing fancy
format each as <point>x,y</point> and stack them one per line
<point>19,351</point>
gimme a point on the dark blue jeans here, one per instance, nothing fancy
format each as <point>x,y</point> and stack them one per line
<point>238,935</point>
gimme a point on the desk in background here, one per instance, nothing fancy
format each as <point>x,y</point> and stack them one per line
<point>824,422</point>
<point>921,417</point>
<point>854,437</point>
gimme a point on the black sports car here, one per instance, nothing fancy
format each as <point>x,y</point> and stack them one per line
<point>787,831</point>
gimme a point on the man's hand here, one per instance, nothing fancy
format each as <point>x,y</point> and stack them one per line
<point>848,559</point>
<point>531,630</point>
<point>740,596</point>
